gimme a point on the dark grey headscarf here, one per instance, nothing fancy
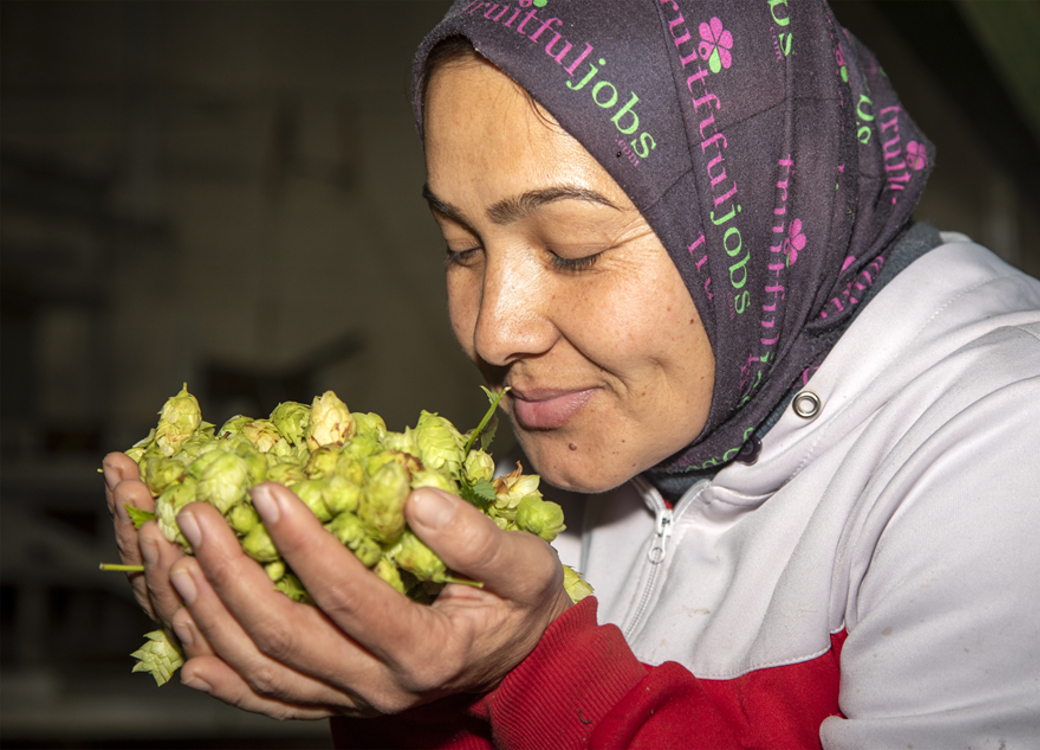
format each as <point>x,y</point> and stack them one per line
<point>760,140</point>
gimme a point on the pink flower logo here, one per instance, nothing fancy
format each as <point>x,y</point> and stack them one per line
<point>795,241</point>
<point>916,155</point>
<point>716,44</point>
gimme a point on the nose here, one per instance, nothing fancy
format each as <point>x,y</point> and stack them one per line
<point>515,319</point>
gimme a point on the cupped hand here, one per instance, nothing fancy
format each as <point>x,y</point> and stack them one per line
<point>365,649</point>
<point>147,546</point>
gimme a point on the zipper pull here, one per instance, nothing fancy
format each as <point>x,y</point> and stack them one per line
<point>662,531</point>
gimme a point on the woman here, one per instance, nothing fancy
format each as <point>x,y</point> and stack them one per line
<point>804,428</point>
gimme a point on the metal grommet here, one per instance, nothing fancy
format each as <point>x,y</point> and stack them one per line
<point>806,404</point>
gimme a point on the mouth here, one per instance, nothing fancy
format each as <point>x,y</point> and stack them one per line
<point>546,408</point>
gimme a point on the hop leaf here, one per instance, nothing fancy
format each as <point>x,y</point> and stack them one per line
<point>138,516</point>
<point>481,493</point>
<point>159,656</point>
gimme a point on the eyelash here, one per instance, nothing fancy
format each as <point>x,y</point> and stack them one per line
<point>462,258</point>
<point>574,264</point>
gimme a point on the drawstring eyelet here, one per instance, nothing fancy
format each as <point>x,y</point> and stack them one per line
<point>806,404</point>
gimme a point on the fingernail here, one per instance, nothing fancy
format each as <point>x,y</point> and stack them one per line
<point>111,474</point>
<point>182,581</point>
<point>190,528</point>
<point>149,550</point>
<point>196,683</point>
<point>184,633</point>
<point>121,511</point>
<point>121,502</point>
<point>266,504</point>
<point>433,509</point>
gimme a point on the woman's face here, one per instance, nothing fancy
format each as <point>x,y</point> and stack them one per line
<point>559,289</point>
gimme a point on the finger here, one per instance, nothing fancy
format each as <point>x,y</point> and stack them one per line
<point>265,676</point>
<point>356,599</point>
<point>158,555</point>
<point>249,622</point>
<point>471,543</point>
<point>131,492</point>
<point>211,675</point>
<point>193,642</point>
<point>117,467</point>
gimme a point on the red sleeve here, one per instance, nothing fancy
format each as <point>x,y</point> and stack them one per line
<point>582,687</point>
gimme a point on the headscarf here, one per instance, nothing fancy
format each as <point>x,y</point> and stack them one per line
<point>762,143</point>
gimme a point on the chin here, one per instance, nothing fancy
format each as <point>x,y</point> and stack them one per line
<point>575,471</point>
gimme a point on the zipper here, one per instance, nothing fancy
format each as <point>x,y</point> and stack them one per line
<point>663,524</point>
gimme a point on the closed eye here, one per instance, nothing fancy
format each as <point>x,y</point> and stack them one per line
<point>574,264</point>
<point>460,257</point>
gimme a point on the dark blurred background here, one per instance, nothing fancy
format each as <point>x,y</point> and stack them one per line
<point>227,194</point>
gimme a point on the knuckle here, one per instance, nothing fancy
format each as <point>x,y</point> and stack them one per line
<point>391,702</point>
<point>427,677</point>
<point>264,681</point>
<point>275,640</point>
<point>339,598</point>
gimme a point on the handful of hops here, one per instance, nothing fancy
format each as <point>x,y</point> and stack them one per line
<point>354,475</point>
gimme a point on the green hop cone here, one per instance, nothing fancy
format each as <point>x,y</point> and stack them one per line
<point>265,436</point>
<point>322,463</point>
<point>411,554</point>
<point>403,442</point>
<point>428,478</point>
<point>159,656</point>
<point>208,456</point>
<point>256,461</point>
<point>331,422</point>
<point>224,482</point>
<point>160,472</point>
<point>285,472</point>
<point>386,570</point>
<point>341,495</point>
<point>478,465</point>
<point>350,532</point>
<point>233,426</point>
<point>370,425</point>
<point>275,570</point>
<point>440,444</point>
<point>194,447</point>
<point>292,420</point>
<point>168,505</point>
<point>351,468</point>
<point>259,545</point>
<point>363,446</point>
<point>242,518</point>
<point>511,489</point>
<point>575,586</point>
<point>312,491</point>
<point>293,588</point>
<point>381,509</point>
<point>178,420</point>
<point>540,517</point>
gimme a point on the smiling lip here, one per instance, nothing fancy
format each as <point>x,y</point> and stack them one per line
<point>547,409</point>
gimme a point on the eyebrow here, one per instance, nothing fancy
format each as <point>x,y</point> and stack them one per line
<point>516,207</point>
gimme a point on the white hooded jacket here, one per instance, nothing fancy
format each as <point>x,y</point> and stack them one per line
<point>903,511</point>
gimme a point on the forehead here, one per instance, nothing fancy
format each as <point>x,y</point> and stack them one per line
<point>487,138</point>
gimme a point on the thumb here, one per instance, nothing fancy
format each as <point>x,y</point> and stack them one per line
<point>513,564</point>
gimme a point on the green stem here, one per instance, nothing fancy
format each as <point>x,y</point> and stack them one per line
<point>487,418</point>
<point>465,581</point>
<point>117,566</point>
